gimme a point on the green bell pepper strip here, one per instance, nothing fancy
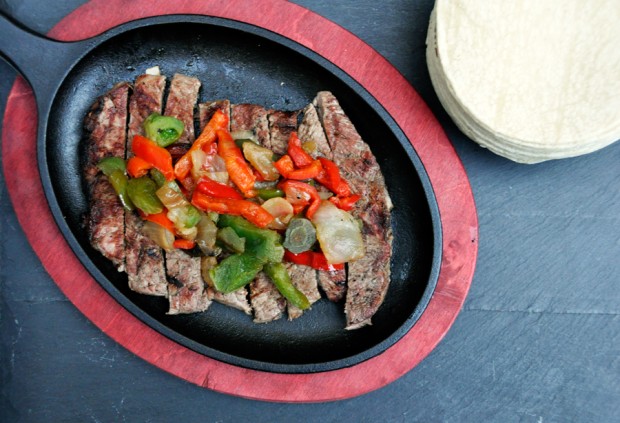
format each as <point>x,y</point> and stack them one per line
<point>229,239</point>
<point>141,191</point>
<point>234,272</point>
<point>114,168</point>
<point>279,276</point>
<point>157,177</point>
<point>264,244</point>
<point>164,130</point>
<point>269,193</point>
<point>109,164</point>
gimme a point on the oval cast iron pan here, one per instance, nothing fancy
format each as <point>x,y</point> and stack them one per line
<point>243,63</point>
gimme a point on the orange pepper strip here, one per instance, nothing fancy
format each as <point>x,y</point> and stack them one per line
<point>251,211</point>
<point>286,167</point>
<point>306,172</point>
<point>297,153</point>
<point>239,170</point>
<point>137,167</point>
<point>208,135</point>
<point>158,156</point>
<point>183,244</point>
<point>160,218</point>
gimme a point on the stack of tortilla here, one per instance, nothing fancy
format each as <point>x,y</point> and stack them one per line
<point>531,80</point>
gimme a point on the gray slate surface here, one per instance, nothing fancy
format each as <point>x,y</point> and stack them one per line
<point>537,341</point>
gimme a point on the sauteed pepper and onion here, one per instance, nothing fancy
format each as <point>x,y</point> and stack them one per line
<point>234,200</point>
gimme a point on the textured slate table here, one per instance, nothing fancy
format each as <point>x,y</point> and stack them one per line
<point>537,340</point>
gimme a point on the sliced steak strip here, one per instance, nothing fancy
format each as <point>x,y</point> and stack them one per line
<point>182,99</point>
<point>281,125</point>
<point>186,291</point>
<point>368,277</point>
<point>105,125</point>
<point>250,117</point>
<point>105,222</point>
<point>206,110</point>
<point>239,298</point>
<point>333,283</point>
<point>267,302</point>
<point>146,98</point>
<point>144,258</point>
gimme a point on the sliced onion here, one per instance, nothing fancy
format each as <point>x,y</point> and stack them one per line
<point>281,210</point>
<point>338,233</point>
<point>159,235</point>
<point>243,135</point>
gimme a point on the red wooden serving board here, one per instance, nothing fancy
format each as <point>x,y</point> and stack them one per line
<point>367,67</point>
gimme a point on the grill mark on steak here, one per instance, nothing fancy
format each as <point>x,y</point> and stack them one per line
<point>267,302</point>
<point>281,125</point>
<point>144,258</point>
<point>250,117</point>
<point>185,269</point>
<point>105,222</point>
<point>333,283</point>
<point>181,101</point>
<point>206,111</point>
<point>368,277</point>
<point>186,290</point>
<point>105,125</point>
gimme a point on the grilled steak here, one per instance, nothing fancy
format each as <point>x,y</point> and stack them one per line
<point>186,291</point>
<point>266,300</point>
<point>368,277</point>
<point>239,298</point>
<point>281,125</point>
<point>105,126</point>
<point>180,104</point>
<point>206,110</point>
<point>117,233</point>
<point>267,303</point>
<point>144,259</point>
<point>334,282</point>
<point>250,117</point>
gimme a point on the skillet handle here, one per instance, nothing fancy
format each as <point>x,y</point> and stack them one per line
<point>42,61</point>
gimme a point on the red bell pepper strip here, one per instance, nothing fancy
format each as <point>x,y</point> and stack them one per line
<point>216,189</point>
<point>251,211</point>
<point>301,194</point>
<point>313,259</point>
<point>239,170</point>
<point>208,136</point>
<point>331,178</point>
<point>157,156</point>
<point>300,157</point>
<point>183,244</point>
<point>286,167</point>
<point>160,218</point>
<point>137,167</point>
<point>345,203</point>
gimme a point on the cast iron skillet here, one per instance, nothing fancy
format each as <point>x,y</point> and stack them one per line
<point>244,64</point>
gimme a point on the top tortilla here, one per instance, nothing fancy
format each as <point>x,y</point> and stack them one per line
<point>536,79</point>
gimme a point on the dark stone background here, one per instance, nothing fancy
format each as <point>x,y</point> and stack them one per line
<point>537,340</point>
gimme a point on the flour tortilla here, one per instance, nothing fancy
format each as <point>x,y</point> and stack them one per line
<point>531,80</point>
